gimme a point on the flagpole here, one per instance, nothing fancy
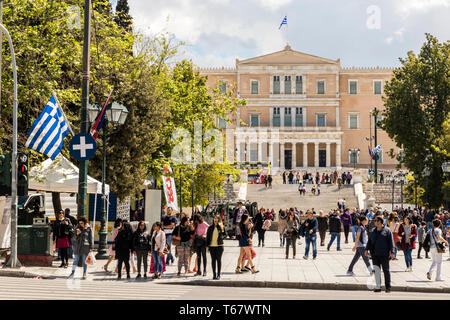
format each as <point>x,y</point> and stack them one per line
<point>63,113</point>
<point>287,31</point>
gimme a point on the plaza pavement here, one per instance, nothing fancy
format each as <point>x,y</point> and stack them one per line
<point>327,272</point>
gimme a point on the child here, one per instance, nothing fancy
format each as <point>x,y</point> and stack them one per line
<point>318,189</point>
<point>313,190</point>
<point>421,238</point>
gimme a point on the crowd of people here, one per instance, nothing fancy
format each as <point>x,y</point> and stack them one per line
<point>295,177</point>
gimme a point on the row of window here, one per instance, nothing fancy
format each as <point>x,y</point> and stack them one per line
<point>254,84</point>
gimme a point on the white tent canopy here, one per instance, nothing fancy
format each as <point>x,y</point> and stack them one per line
<point>60,175</point>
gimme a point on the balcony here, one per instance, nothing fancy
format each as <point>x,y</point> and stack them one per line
<point>289,129</point>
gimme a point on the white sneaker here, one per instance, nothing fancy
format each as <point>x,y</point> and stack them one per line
<point>439,279</point>
<point>350,273</point>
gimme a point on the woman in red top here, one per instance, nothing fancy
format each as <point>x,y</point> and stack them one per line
<point>408,234</point>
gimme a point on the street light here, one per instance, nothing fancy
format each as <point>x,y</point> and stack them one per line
<point>355,153</point>
<point>426,174</point>
<point>115,114</point>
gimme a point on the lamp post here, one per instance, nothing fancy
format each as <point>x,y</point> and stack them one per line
<point>354,154</point>
<point>375,116</point>
<point>416,176</point>
<point>426,174</point>
<point>446,169</point>
<point>116,114</point>
<point>401,178</point>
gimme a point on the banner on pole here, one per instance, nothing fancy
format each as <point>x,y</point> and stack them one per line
<point>170,190</point>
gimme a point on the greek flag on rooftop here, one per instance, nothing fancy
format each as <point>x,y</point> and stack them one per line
<point>48,131</point>
<point>283,22</point>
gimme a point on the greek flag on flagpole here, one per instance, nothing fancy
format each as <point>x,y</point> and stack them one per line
<point>283,22</point>
<point>48,130</point>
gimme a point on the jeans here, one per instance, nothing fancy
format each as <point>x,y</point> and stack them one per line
<point>158,261</point>
<point>436,262</point>
<point>142,256</point>
<point>201,252</point>
<point>360,253</point>
<point>71,252</point>
<point>346,231</point>
<point>291,242</point>
<point>261,234</point>
<point>283,238</point>
<point>216,259</point>
<point>169,244</point>
<point>382,262</point>
<point>429,225</point>
<point>408,255</point>
<point>311,238</point>
<point>354,228</point>
<point>322,237</point>
<point>335,235</point>
<point>75,262</point>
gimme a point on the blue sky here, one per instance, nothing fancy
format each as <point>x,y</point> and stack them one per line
<point>359,32</point>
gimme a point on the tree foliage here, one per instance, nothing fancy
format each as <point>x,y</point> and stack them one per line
<point>416,105</point>
<point>123,17</point>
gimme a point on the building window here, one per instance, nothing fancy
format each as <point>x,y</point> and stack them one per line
<point>321,87</point>
<point>223,87</point>
<point>298,85</point>
<point>298,117</point>
<point>276,85</point>
<point>254,120</point>
<point>377,87</point>
<point>353,87</point>
<point>255,88</point>
<point>353,121</point>
<point>321,120</point>
<point>253,155</point>
<point>276,117</point>
<point>353,156</point>
<point>287,117</point>
<point>222,123</point>
<point>287,85</point>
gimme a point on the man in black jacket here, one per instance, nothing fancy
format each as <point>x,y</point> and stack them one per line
<point>381,247</point>
<point>335,227</point>
<point>74,222</point>
<point>323,226</point>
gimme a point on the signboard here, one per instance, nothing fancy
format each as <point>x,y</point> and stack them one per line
<point>83,146</point>
<point>170,190</point>
<point>123,210</point>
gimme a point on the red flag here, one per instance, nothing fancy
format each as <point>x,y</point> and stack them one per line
<point>99,119</point>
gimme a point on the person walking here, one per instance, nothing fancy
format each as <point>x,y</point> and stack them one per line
<point>282,219</point>
<point>360,246</point>
<point>201,229</point>
<point>355,224</point>
<point>291,234</point>
<point>394,226</point>
<point>381,247</point>
<point>335,227</point>
<point>284,177</point>
<point>182,233</point>
<point>111,251</point>
<point>347,223</point>
<point>437,249</point>
<point>141,246</point>
<point>169,222</point>
<point>245,244</point>
<point>237,216</point>
<point>83,241</point>
<point>309,227</point>
<point>407,232</point>
<point>420,239</point>
<point>269,179</point>
<point>123,245</point>
<point>74,222</point>
<point>214,241</point>
<point>259,222</point>
<point>158,238</point>
<point>323,227</point>
<point>62,232</point>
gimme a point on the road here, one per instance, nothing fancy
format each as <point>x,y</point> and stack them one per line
<point>23,289</point>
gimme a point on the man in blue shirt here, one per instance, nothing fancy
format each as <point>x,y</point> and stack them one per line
<point>310,228</point>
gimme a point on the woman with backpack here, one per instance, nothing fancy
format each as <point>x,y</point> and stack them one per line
<point>291,234</point>
<point>141,246</point>
<point>122,245</point>
<point>407,233</point>
<point>436,244</point>
<point>360,246</point>
<point>62,232</point>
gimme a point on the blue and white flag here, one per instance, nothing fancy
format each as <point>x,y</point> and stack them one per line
<point>48,130</point>
<point>283,22</point>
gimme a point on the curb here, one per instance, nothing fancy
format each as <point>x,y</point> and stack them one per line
<point>307,285</point>
<point>22,274</point>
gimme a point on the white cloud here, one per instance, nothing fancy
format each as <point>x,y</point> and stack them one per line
<point>273,4</point>
<point>407,7</point>
<point>389,40</point>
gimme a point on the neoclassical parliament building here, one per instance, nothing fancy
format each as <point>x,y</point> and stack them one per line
<point>304,111</point>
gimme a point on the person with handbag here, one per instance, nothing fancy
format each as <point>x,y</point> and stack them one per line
<point>83,245</point>
<point>407,233</point>
<point>111,250</point>
<point>214,241</point>
<point>62,232</point>
<point>158,238</point>
<point>394,226</point>
<point>181,238</point>
<point>141,247</point>
<point>200,244</point>
<point>437,248</point>
<point>245,240</point>
<point>122,245</point>
<point>291,234</point>
<point>259,221</point>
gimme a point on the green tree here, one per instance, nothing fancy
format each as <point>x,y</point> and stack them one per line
<point>123,17</point>
<point>416,105</point>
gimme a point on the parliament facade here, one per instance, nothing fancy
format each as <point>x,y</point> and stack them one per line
<point>304,111</point>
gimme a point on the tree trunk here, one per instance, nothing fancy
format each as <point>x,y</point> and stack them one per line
<point>56,199</point>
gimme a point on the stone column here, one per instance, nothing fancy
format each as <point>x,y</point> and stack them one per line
<point>305,154</point>
<point>238,151</point>
<point>282,155</point>
<point>247,157</point>
<point>271,157</point>
<point>294,154</point>
<point>316,154</point>
<point>260,145</point>
<point>328,161</point>
<point>338,154</point>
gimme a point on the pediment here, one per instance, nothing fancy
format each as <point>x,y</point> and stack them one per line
<point>287,56</point>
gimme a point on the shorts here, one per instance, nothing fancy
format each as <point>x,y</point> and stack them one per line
<point>243,242</point>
